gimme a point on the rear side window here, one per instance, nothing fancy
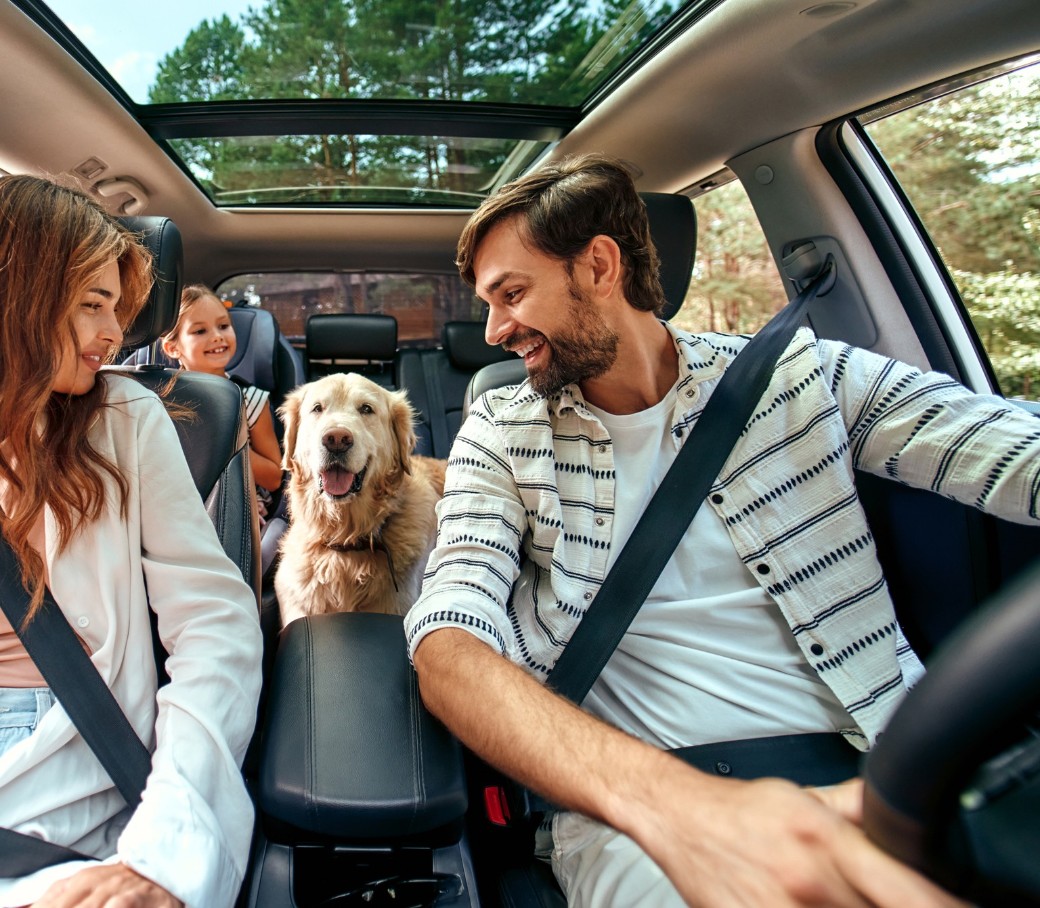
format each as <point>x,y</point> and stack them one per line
<point>421,303</point>
<point>735,286</point>
<point>969,164</point>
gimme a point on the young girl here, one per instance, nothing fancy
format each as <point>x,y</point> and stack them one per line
<point>203,340</point>
<point>97,503</point>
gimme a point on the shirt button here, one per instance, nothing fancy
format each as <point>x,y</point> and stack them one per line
<point>716,498</point>
<point>763,568</point>
<point>690,392</point>
<point>723,768</point>
<point>816,649</point>
<point>600,521</point>
<point>82,621</point>
<point>587,596</point>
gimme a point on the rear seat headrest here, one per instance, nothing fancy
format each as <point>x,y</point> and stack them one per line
<point>466,348</point>
<point>162,239</point>
<point>351,336</point>
<point>673,227</point>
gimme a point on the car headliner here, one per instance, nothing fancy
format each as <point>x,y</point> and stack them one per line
<point>747,72</point>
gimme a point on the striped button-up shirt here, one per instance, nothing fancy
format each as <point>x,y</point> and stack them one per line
<point>525,522</point>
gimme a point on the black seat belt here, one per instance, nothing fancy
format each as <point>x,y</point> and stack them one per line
<point>673,506</point>
<point>76,683</point>
<point>435,399</point>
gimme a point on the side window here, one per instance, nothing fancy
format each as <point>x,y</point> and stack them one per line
<point>735,288</point>
<point>969,164</point>
<point>421,303</point>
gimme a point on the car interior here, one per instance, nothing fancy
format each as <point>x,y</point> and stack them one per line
<point>325,212</point>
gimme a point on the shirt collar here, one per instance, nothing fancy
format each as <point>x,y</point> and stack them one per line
<point>699,358</point>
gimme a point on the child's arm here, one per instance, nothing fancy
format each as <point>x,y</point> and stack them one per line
<point>265,457</point>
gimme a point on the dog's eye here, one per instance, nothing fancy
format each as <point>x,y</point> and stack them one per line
<point>317,408</point>
<point>365,410</point>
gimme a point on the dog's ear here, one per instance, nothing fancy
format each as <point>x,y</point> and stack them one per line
<point>402,420</point>
<point>289,412</point>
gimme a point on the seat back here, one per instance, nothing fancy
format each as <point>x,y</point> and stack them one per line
<point>436,381</point>
<point>214,438</point>
<point>263,355</point>
<point>352,342</point>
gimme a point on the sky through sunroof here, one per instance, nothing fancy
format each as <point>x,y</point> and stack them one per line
<point>129,39</point>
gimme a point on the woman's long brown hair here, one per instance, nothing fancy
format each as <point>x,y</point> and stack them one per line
<point>54,241</point>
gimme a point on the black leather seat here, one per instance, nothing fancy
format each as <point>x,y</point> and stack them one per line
<point>215,439</point>
<point>352,342</point>
<point>263,355</point>
<point>436,381</point>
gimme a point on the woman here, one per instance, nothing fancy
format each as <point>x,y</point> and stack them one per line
<point>97,503</point>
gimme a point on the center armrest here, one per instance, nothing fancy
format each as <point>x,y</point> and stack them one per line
<point>349,750</point>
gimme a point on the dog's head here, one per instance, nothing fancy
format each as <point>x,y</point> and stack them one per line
<point>347,438</point>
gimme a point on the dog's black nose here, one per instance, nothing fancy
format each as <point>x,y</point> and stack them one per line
<point>337,440</point>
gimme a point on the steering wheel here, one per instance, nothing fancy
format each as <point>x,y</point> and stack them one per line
<point>953,785</point>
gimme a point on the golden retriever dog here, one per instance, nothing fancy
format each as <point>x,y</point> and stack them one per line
<point>361,505</point>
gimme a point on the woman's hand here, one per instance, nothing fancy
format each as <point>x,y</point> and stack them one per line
<point>107,886</point>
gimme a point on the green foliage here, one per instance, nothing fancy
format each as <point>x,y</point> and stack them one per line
<point>735,287</point>
<point>968,163</point>
<point>208,67</point>
<point>505,51</point>
<point>1005,309</point>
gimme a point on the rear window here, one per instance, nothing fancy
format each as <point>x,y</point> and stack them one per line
<point>421,303</point>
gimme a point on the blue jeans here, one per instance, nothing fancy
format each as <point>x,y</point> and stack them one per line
<point>21,709</point>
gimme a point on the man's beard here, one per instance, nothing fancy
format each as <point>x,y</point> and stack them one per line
<point>586,349</point>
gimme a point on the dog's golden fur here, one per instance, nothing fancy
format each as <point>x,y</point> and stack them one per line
<point>361,504</point>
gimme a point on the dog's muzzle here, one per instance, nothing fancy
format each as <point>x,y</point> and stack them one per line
<point>337,482</point>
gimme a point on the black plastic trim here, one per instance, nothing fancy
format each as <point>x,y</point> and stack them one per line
<point>357,117</point>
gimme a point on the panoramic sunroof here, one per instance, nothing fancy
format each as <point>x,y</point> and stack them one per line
<point>215,80</point>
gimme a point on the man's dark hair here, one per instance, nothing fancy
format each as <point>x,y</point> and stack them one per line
<point>561,207</point>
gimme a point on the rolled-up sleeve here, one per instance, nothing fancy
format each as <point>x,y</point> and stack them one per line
<point>925,430</point>
<point>481,524</point>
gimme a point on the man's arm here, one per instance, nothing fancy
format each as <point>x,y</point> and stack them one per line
<point>721,842</point>
<point>929,432</point>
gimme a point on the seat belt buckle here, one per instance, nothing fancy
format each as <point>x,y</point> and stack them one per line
<point>507,804</point>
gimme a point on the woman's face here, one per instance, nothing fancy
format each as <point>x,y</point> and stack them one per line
<point>206,339</point>
<point>96,330</point>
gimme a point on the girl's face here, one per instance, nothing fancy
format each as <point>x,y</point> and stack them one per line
<point>96,331</point>
<point>206,339</point>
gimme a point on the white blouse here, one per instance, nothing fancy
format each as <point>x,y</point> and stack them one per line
<point>192,830</point>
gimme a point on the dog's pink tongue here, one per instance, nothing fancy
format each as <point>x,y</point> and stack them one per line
<point>337,481</point>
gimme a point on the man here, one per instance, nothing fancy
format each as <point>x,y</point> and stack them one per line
<point>772,616</point>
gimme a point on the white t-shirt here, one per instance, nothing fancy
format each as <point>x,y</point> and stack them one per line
<point>709,656</point>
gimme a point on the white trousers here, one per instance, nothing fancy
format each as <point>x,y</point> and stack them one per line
<point>598,867</point>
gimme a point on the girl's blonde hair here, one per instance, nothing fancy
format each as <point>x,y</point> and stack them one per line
<point>54,241</point>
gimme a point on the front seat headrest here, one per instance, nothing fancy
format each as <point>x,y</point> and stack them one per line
<point>673,228</point>
<point>162,239</point>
